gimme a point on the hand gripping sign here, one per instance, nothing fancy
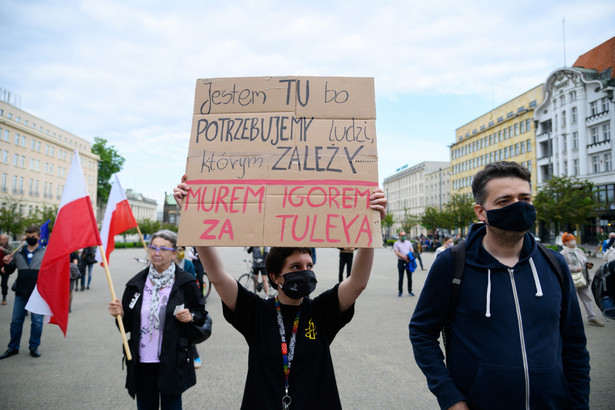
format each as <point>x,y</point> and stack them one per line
<point>282,161</point>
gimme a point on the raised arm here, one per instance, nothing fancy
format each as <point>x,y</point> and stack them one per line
<point>350,289</point>
<point>223,282</point>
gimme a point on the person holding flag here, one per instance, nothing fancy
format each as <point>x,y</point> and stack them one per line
<point>27,262</point>
<point>74,228</point>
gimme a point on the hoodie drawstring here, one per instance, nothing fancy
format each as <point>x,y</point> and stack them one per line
<point>536,280</point>
<point>536,283</point>
<point>488,309</point>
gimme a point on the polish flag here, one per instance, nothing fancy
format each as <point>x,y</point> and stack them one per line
<point>75,228</point>
<point>118,218</point>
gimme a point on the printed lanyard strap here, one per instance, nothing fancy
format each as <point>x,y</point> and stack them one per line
<point>288,352</point>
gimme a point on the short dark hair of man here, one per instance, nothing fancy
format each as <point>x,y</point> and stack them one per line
<point>276,257</point>
<point>33,229</point>
<point>501,169</point>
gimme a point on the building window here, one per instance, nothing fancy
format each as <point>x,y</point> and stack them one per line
<point>33,144</point>
<point>605,104</point>
<point>575,140</point>
<point>522,127</point>
<point>596,164</point>
<point>517,149</point>
<point>565,170</point>
<point>573,96</point>
<point>23,141</point>
<point>573,115</point>
<point>564,142</point>
<point>528,146</point>
<point>563,119</point>
<point>593,108</point>
<point>562,99</point>
<point>16,160</point>
<point>5,156</point>
<point>4,181</point>
<point>505,133</point>
<point>607,162</point>
<point>516,129</point>
<point>595,135</point>
<point>575,167</point>
<point>606,132</point>
<point>17,139</point>
<point>529,165</point>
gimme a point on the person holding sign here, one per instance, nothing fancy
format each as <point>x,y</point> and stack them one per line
<point>289,361</point>
<point>159,305</point>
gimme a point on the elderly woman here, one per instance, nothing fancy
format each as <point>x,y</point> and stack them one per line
<point>289,360</point>
<point>159,305</point>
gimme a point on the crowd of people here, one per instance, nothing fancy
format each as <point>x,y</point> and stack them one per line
<point>506,305</point>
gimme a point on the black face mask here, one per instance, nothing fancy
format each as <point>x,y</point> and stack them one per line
<point>32,241</point>
<point>518,217</point>
<point>299,284</point>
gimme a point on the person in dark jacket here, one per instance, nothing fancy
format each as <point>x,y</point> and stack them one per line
<point>516,338</point>
<point>27,261</point>
<point>158,306</point>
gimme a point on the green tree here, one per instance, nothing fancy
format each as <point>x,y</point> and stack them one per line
<point>149,226</point>
<point>410,221</point>
<point>387,223</point>
<point>566,201</point>
<point>110,163</point>
<point>432,219</point>
<point>460,212</point>
<point>12,220</point>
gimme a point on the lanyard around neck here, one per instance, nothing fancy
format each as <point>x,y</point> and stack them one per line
<point>288,351</point>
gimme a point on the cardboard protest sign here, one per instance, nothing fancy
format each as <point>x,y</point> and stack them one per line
<point>282,161</point>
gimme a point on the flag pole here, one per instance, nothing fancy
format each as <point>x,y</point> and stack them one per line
<point>18,248</point>
<point>120,323</point>
<point>142,240</point>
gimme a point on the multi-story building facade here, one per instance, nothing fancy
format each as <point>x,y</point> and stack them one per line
<point>574,126</point>
<point>406,192</point>
<point>142,208</point>
<point>438,187</point>
<point>504,133</point>
<point>35,157</point>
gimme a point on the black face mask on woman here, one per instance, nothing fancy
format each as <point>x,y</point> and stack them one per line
<point>299,284</point>
<point>518,217</point>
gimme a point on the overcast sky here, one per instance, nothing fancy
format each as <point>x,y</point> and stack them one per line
<point>126,70</point>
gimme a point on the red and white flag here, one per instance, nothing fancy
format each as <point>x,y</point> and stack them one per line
<point>75,228</point>
<point>118,218</point>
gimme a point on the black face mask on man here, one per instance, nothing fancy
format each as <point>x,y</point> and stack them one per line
<point>518,217</point>
<point>299,284</point>
<point>31,241</point>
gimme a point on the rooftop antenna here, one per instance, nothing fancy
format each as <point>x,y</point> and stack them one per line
<point>564,36</point>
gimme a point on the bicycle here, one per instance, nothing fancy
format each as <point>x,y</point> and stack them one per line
<point>250,280</point>
<point>206,285</point>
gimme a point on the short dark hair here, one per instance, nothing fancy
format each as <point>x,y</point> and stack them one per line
<point>501,169</point>
<point>33,229</point>
<point>276,257</point>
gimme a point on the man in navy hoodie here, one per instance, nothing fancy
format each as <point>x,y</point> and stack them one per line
<point>516,339</point>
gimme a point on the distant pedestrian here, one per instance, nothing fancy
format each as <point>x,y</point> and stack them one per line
<point>86,264</point>
<point>346,256</point>
<point>259,254</point>
<point>418,250</point>
<point>27,262</point>
<point>402,248</point>
<point>579,269</point>
<point>5,249</point>
<point>447,243</point>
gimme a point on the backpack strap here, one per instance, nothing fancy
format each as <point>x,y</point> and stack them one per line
<point>553,262</point>
<point>459,256</point>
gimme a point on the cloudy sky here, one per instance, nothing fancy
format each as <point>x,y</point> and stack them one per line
<point>126,70</point>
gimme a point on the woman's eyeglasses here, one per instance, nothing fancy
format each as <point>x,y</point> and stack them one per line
<point>154,248</point>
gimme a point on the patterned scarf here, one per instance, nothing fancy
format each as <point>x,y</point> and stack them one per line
<point>159,280</point>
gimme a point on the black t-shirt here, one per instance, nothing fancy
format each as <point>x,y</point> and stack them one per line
<point>312,378</point>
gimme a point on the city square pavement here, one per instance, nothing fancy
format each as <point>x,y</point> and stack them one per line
<point>372,355</point>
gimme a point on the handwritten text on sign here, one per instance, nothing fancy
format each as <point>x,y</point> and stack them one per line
<point>282,162</point>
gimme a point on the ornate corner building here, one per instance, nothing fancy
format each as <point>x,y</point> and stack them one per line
<point>573,127</point>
